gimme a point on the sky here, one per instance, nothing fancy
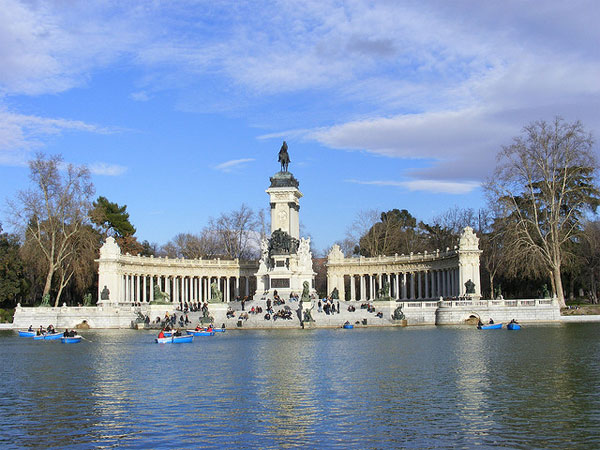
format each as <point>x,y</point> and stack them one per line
<point>179,108</point>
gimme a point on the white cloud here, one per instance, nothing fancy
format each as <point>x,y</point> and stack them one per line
<point>449,82</point>
<point>111,170</point>
<point>140,96</point>
<point>229,166</point>
<point>434,186</point>
<point>19,134</point>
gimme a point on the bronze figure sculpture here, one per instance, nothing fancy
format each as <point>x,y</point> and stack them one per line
<point>284,157</point>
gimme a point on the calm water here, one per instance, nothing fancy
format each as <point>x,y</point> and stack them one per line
<point>395,388</point>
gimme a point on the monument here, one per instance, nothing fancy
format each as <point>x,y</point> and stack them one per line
<point>286,260</point>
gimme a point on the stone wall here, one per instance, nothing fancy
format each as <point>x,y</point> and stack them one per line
<point>416,313</point>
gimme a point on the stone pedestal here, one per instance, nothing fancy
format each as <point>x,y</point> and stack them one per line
<point>286,259</point>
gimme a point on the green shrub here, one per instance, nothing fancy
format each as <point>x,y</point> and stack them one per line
<point>6,315</point>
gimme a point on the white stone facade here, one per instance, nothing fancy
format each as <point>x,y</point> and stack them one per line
<point>287,273</point>
<point>132,279</point>
<point>414,277</point>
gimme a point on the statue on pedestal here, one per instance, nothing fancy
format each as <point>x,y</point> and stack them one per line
<point>215,294</point>
<point>398,314</point>
<point>284,157</point>
<point>105,294</point>
<point>305,292</point>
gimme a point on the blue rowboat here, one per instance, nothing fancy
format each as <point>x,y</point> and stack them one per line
<point>219,330</point>
<point>494,326</point>
<point>52,336</point>
<point>168,333</point>
<point>174,339</point>
<point>200,333</point>
<point>39,337</point>
<point>70,340</point>
<point>513,326</point>
<point>25,333</point>
<point>348,326</point>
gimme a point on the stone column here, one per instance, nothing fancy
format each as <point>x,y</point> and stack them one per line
<point>419,281</point>
<point>372,288</point>
<point>144,298</point>
<point>361,286</point>
<point>352,288</point>
<point>247,291</point>
<point>404,283</point>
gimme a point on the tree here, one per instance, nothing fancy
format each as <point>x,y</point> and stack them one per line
<point>53,213</point>
<point>238,232</point>
<point>111,218</point>
<point>365,219</point>
<point>13,284</point>
<point>191,246</point>
<point>590,256</point>
<point>397,231</point>
<point>543,184</point>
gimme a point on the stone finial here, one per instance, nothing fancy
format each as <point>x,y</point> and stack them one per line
<point>335,254</point>
<point>110,249</point>
<point>468,240</point>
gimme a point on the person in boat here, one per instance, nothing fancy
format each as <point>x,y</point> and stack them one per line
<point>513,321</point>
<point>479,323</point>
<point>346,323</point>
<point>40,331</point>
<point>177,332</point>
<point>161,334</point>
<point>210,328</point>
<point>66,333</point>
<point>30,328</point>
<point>197,328</point>
<point>491,321</point>
<point>223,326</point>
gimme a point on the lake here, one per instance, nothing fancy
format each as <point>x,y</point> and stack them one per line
<point>415,387</point>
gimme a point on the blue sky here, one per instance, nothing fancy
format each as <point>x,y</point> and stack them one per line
<point>179,108</point>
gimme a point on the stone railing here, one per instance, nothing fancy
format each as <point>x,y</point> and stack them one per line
<point>498,303</point>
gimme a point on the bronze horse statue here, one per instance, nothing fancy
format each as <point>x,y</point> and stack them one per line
<point>284,157</point>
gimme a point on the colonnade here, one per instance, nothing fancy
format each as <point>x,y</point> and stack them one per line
<point>138,288</point>
<point>406,285</point>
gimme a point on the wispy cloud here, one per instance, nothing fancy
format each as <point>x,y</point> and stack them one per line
<point>19,133</point>
<point>111,170</point>
<point>229,166</point>
<point>433,186</point>
<point>140,96</point>
<point>390,85</point>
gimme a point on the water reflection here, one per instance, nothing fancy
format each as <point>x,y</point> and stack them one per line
<point>414,388</point>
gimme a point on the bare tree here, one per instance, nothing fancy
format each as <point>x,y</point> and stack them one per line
<point>53,212</point>
<point>543,183</point>
<point>191,246</point>
<point>360,227</point>
<point>238,232</point>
